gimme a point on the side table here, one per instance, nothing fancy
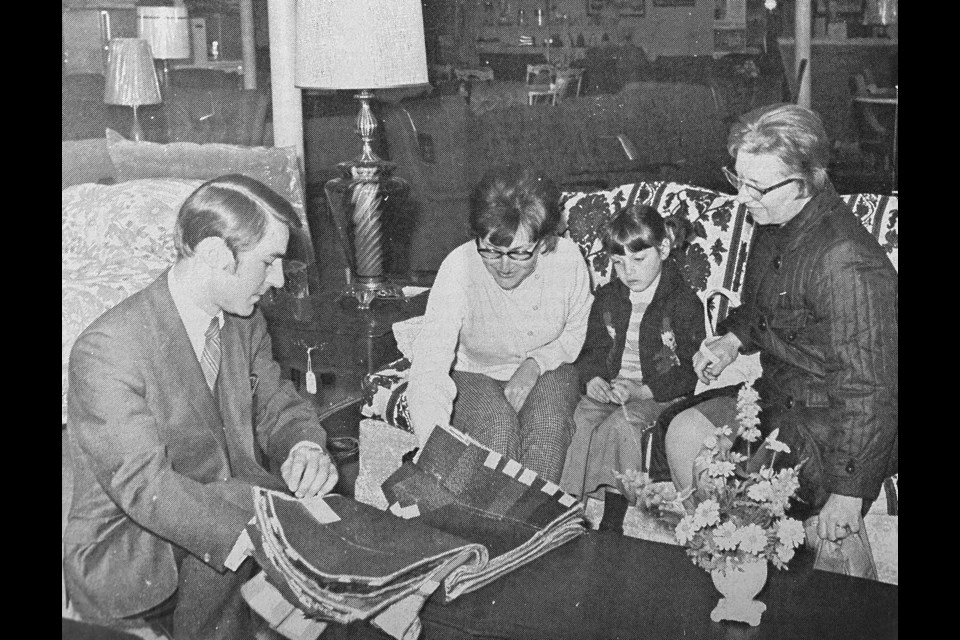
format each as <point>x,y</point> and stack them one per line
<point>346,343</point>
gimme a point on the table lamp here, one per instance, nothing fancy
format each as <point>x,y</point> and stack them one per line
<point>362,45</point>
<point>131,79</point>
<point>167,29</point>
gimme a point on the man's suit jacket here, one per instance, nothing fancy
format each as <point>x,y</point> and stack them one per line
<point>158,460</point>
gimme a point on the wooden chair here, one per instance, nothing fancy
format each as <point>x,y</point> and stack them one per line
<point>573,75</point>
<point>540,81</point>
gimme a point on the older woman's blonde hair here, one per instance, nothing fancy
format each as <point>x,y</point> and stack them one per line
<point>790,132</point>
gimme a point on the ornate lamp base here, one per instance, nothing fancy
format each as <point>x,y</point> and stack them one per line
<point>367,292</point>
<point>363,196</point>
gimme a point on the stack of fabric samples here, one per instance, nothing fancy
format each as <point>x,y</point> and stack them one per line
<point>462,488</point>
<point>459,517</point>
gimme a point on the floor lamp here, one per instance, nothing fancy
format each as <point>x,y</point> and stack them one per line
<point>167,29</point>
<point>362,45</point>
<point>131,79</point>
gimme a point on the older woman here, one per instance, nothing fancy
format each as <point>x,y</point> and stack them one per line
<point>820,305</point>
<point>506,317</point>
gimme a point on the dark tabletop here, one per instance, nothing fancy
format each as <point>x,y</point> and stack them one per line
<point>609,586</point>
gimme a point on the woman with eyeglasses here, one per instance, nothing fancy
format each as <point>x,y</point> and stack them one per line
<point>819,302</point>
<point>507,316</point>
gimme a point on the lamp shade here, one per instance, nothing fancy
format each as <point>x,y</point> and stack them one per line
<point>131,78</point>
<point>360,44</point>
<point>167,29</point>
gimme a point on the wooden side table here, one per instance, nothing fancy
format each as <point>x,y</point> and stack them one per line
<point>346,343</point>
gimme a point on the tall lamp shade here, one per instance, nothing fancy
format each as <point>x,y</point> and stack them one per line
<point>167,29</point>
<point>363,45</point>
<point>131,79</point>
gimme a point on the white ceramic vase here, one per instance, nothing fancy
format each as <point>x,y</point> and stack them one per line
<point>739,586</point>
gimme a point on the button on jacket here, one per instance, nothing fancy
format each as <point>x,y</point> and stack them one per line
<point>820,304</point>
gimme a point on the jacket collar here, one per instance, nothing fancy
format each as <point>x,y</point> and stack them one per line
<point>670,278</point>
<point>811,215</point>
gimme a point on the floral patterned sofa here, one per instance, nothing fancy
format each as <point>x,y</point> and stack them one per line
<point>715,260</point>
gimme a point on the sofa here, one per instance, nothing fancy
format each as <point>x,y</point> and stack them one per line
<point>713,263</point>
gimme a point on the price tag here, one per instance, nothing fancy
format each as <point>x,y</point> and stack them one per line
<point>311,376</point>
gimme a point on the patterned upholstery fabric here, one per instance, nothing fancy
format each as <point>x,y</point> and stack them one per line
<point>116,239</point>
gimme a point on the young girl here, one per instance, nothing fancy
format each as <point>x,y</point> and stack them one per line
<point>645,325</point>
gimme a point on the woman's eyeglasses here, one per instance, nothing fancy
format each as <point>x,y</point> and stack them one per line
<point>519,255</point>
<point>755,192</point>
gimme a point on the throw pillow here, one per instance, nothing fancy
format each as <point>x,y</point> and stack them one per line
<point>276,167</point>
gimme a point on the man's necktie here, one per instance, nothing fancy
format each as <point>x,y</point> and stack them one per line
<point>210,359</point>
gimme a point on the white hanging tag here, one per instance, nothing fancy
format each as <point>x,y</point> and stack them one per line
<point>311,376</point>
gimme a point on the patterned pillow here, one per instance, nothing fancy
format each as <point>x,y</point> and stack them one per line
<point>276,167</point>
<point>116,239</point>
<point>384,395</point>
<point>881,215</point>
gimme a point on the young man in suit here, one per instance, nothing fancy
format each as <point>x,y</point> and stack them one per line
<point>174,401</point>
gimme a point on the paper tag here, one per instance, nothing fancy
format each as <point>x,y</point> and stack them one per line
<point>493,459</point>
<point>311,382</point>
<point>320,510</point>
<point>512,468</point>
<point>527,476</point>
<point>550,488</point>
<point>566,500</point>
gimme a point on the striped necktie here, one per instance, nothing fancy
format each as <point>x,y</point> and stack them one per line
<point>210,359</point>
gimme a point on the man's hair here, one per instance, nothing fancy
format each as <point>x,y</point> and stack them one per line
<point>507,199</point>
<point>640,227</point>
<point>790,132</point>
<point>233,207</point>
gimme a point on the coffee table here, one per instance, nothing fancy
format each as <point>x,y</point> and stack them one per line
<point>605,585</point>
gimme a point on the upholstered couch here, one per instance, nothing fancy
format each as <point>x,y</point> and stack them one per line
<point>715,260</point>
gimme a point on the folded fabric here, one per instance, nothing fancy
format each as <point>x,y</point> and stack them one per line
<point>460,487</point>
<point>338,559</point>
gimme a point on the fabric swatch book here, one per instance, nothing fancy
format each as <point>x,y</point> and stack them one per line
<point>459,517</point>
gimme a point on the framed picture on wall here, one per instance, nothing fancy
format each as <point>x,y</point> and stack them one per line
<point>674,3</point>
<point>630,7</point>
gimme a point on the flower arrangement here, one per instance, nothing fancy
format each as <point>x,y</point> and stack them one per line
<point>736,518</point>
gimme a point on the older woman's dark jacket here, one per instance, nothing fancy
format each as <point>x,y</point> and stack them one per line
<point>675,308</point>
<point>820,304</point>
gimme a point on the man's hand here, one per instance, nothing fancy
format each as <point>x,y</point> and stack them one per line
<point>723,349</point>
<point>309,472</point>
<point>839,517</point>
<point>521,383</point>
<point>623,390</point>
<point>598,390</point>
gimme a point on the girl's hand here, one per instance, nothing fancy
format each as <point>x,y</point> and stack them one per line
<point>624,390</point>
<point>598,390</point>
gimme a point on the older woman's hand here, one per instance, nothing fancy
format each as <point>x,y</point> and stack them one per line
<point>521,383</point>
<point>839,517</point>
<point>724,350</point>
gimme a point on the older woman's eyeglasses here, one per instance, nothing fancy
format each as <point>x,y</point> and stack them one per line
<point>755,192</point>
<point>519,255</point>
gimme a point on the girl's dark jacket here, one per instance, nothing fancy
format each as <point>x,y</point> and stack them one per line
<point>820,304</point>
<point>675,310</point>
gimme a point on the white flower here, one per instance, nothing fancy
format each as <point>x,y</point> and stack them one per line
<point>790,533</point>
<point>725,536</point>
<point>775,444</point>
<point>720,469</point>
<point>722,431</point>
<point>707,514</point>
<point>710,442</point>
<point>684,531</point>
<point>751,434</point>
<point>752,538</point>
<point>785,554</point>
<point>760,492</point>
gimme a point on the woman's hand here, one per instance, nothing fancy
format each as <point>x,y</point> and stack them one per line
<point>521,383</point>
<point>598,390</point>
<point>623,390</point>
<point>839,517</point>
<point>715,355</point>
